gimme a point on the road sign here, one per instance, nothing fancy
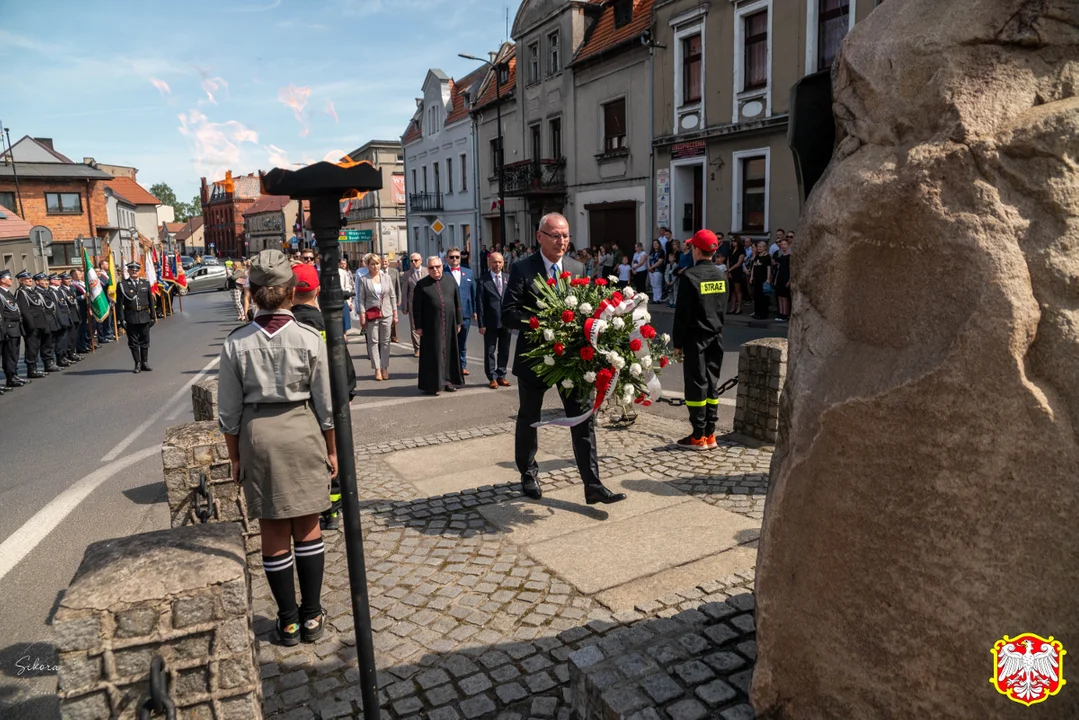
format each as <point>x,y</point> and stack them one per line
<point>437,226</point>
<point>41,237</point>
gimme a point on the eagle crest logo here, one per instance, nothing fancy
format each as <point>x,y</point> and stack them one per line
<point>1028,669</point>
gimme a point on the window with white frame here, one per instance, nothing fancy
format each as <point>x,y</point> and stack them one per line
<point>464,172</point>
<point>691,62</point>
<point>751,170</point>
<point>449,176</point>
<point>753,55</point>
<point>554,63</point>
<point>755,48</point>
<point>533,63</point>
<point>494,157</point>
<point>449,236</point>
<point>828,22</point>
<point>614,125</point>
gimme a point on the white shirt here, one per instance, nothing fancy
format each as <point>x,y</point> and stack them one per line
<point>774,249</point>
<point>547,264</point>
<point>623,273</point>
<point>456,273</point>
<point>641,257</point>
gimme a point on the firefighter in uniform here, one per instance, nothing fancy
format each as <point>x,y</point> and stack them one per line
<point>63,317</point>
<point>72,301</point>
<point>697,339</point>
<point>10,333</point>
<point>33,322</point>
<point>135,313</point>
<point>52,323</point>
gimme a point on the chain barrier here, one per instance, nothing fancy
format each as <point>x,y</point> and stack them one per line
<point>159,702</point>
<point>681,401</point>
<point>203,500</point>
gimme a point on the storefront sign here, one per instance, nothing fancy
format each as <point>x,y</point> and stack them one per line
<point>681,151</point>
<point>663,198</point>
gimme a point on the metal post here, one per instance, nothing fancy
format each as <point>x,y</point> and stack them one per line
<point>501,159</point>
<point>15,174</point>
<point>326,221</point>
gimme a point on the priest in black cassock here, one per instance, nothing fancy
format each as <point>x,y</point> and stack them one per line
<point>436,315</point>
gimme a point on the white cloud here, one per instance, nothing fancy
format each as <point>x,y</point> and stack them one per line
<point>331,111</point>
<point>216,145</point>
<point>161,85</point>
<point>296,98</point>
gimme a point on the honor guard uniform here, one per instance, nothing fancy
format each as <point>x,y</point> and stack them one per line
<point>63,317</point>
<point>72,300</point>
<point>52,323</point>
<point>10,333</point>
<point>698,338</point>
<point>33,322</point>
<point>135,306</point>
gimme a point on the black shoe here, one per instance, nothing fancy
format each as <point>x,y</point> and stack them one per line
<point>530,487</point>
<point>289,634</point>
<point>599,494</point>
<point>13,384</point>
<point>137,369</point>
<point>450,388</point>
<point>36,374</point>
<point>20,380</point>
<point>146,368</point>
<point>331,521</point>
<point>311,630</point>
<point>61,364</point>
<point>76,357</point>
<point>52,368</point>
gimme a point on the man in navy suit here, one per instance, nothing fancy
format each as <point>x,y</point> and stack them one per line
<point>496,336</point>
<point>553,238</point>
<point>466,287</point>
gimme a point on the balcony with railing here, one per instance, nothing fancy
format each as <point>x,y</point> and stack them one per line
<point>536,177</point>
<point>425,202</point>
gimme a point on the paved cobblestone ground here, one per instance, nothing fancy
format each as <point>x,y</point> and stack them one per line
<point>466,624</point>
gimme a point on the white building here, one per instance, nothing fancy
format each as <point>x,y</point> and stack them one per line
<point>439,147</point>
<point>121,225</point>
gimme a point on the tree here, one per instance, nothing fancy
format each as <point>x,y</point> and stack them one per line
<point>195,207</point>
<point>164,193</point>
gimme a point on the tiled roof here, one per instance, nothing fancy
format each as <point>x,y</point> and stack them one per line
<point>268,203</point>
<point>605,35</point>
<point>174,227</point>
<point>53,171</point>
<point>189,228</point>
<point>459,109</point>
<point>130,190</point>
<point>13,227</point>
<point>413,132</point>
<point>490,89</point>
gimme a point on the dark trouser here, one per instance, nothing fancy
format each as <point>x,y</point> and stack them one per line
<point>761,301</point>
<point>703,358</point>
<point>33,344</point>
<point>527,438</point>
<point>138,341</point>
<point>83,344</point>
<point>640,281</point>
<point>496,352</point>
<point>59,343</point>
<point>415,337</point>
<point>462,341</point>
<point>73,339</point>
<point>9,354</point>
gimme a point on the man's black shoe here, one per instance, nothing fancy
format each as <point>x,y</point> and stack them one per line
<point>13,384</point>
<point>137,369</point>
<point>599,494</point>
<point>20,380</point>
<point>60,364</point>
<point>450,388</point>
<point>146,368</point>
<point>35,374</point>
<point>530,487</point>
<point>52,368</point>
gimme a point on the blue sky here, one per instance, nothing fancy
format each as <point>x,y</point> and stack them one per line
<point>182,90</point>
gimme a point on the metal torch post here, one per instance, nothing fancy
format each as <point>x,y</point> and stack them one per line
<point>326,221</point>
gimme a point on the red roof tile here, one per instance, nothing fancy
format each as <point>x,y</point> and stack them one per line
<point>189,228</point>
<point>605,35</point>
<point>268,203</point>
<point>131,191</point>
<point>13,227</point>
<point>174,227</point>
<point>459,109</point>
<point>489,90</point>
<point>413,132</point>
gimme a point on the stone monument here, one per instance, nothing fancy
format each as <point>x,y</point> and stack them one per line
<point>925,488</point>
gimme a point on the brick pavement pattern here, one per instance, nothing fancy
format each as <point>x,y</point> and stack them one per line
<point>468,626</point>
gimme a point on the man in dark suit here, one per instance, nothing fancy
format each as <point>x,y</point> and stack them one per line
<point>466,288</point>
<point>496,335</point>
<point>412,275</point>
<point>553,238</point>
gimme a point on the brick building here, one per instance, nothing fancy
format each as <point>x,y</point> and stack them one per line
<point>54,191</point>
<point>223,207</point>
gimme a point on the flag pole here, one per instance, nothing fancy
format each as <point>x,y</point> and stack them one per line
<point>86,296</point>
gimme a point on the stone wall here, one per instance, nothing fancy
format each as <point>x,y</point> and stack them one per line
<point>182,594</point>
<point>762,367</point>
<point>195,450</point>
<point>204,400</point>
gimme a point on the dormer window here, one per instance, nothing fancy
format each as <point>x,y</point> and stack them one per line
<point>623,12</point>
<point>503,73</point>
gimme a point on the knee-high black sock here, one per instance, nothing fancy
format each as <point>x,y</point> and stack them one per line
<point>310,563</point>
<point>283,586</point>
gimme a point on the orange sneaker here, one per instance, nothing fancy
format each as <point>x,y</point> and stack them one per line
<point>712,444</point>
<point>691,443</point>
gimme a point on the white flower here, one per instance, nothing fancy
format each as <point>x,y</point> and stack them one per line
<point>548,335</point>
<point>664,338</point>
<point>590,377</point>
<point>627,395</point>
<point>548,359</point>
<point>567,383</point>
<point>613,279</point>
<point>616,361</point>
<point>571,301</point>
<point>618,323</point>
<point>635,370</point>
<point>599,326</point>
<point>629,291</point>
<point>586,309</point>
<point>646,318</point>
<point>541,305</point>
<point>646,362</point>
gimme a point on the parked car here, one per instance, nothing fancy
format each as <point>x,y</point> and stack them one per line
<point>207,277</point>
<point>209,260</point>
<point>187,262</point>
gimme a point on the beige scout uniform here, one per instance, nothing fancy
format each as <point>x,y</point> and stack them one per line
<point>274,392</point>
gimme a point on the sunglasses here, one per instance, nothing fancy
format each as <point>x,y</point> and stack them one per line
<point>455,257</point>
<point>417,260</point>
<point>309,259</point>
<point>434,267</point>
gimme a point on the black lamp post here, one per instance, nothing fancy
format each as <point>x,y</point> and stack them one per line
<point>501,155</point>
<point>324,184</point>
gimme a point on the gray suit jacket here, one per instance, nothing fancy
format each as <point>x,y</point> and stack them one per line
<point>409,290</point>
<point>368,298</point>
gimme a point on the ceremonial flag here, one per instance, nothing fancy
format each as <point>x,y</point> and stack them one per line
<point>151,273</point>
<point>166,269</point>
<point>99,304</point>
<point>181,277</point>
<point>112,275</point>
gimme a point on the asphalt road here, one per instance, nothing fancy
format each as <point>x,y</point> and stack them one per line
<point>80,460</point>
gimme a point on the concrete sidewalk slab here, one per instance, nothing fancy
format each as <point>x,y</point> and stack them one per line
<point>564,511</point>
<point>607,555</point>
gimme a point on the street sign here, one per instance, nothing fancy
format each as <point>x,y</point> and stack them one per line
<point>365,235</point>
<point>41,238</point>
<point>437,226</point>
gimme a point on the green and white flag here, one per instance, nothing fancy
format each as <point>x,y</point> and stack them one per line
<point>99,303</point>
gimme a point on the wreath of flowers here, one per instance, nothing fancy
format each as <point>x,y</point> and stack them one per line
<point>595,342</point>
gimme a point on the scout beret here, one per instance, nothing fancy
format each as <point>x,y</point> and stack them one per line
<point>270,268</point>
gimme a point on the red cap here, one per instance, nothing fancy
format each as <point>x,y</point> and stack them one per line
<point>704,240</point>
<point>306,277</point>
